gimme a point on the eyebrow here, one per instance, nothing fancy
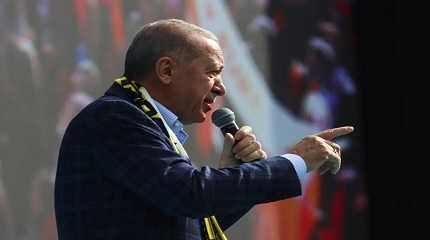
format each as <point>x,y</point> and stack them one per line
<point>212,65</point>
<point>220,68</point>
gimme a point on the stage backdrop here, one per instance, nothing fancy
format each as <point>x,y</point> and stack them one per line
<point>290,70</point>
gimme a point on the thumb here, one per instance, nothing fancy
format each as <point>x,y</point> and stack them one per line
<point>227,158</point>
<point>228,143</point>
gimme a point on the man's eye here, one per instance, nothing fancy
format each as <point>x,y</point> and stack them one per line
<point>214,73</point>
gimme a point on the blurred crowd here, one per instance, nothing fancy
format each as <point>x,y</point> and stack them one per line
<point>56,56</point>
<point>312,60</point>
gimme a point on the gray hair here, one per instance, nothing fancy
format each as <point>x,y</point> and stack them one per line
<point>169,37</point>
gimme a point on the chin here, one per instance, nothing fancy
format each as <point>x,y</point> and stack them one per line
<point>198,116</point>
<point>201,118</point>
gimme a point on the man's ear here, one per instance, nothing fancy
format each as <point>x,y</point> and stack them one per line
<point>164,69</point>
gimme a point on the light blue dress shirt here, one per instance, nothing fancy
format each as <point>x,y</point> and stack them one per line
<point>178,128</point>
<point>173,122</point>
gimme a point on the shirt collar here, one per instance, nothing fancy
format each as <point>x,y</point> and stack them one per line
<point>173,122</point>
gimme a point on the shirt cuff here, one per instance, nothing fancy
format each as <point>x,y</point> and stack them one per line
<point>298,164</point>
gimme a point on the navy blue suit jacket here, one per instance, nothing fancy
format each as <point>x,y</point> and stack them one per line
<point>119,178</point>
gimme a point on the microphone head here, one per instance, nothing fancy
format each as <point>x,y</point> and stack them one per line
<point>222,117</point>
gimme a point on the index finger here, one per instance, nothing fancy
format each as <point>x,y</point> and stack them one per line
<point>243,132</point>
<point>332,133</point>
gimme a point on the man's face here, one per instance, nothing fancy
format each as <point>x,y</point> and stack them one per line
<point>198,83</point>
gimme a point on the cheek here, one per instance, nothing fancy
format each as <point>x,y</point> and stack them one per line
<point>202,88</point>
<point>208,86</point>
<point>199,93</point>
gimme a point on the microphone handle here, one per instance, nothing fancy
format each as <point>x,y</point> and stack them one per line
<point>230,128</point>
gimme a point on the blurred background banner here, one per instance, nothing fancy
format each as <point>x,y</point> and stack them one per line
<point>290,70</point>
<point>248,92</point>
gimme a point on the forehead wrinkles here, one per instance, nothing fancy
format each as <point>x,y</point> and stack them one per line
<point>215,56</point>
<point>209,48</point>
<point>219,55</point>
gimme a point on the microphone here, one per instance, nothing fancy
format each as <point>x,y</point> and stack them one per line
<point>224,119</point>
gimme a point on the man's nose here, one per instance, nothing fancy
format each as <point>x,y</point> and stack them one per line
<point>219,88</point>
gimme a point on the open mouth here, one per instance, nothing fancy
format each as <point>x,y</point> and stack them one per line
<point>207,107</point>
<point>209,100</point>
<point>207,104</point>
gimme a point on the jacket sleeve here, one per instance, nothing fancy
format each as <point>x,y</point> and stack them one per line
<point>227,220</point>
<point>132,151</point>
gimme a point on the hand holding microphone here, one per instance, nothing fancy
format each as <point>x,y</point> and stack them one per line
<point>239,144</point>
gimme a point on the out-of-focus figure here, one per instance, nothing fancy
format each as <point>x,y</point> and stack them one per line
<point>85,79</point>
